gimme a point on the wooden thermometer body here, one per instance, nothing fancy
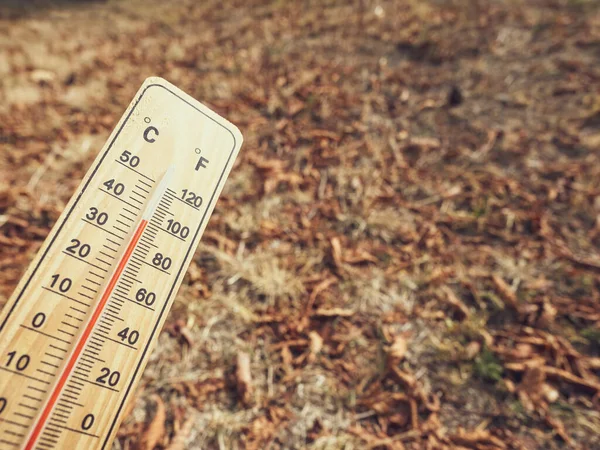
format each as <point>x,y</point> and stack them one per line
<point>77,332</point>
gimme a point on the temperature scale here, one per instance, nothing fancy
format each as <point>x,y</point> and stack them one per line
<point>77,332</point>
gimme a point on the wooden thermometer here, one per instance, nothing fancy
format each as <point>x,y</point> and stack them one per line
<point>77,332</point>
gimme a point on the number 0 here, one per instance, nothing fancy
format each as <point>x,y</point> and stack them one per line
<point>87,422</point>
<point>38,320</point>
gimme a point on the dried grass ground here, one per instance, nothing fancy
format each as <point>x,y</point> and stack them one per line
<point>406,255</point>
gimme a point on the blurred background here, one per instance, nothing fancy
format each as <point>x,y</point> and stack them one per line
<point>406,254</point>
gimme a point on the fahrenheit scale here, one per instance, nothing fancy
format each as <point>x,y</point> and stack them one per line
<point>77,332</point>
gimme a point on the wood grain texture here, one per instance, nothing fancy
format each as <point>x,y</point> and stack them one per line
<point>55,301</point>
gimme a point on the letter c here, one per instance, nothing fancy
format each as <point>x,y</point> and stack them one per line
<point>147,132</point>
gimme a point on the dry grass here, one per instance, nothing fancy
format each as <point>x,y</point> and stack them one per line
<point>418,175</point>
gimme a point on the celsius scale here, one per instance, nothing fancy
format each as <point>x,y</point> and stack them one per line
<point>77,332</point>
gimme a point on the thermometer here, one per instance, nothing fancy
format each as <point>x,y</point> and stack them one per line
<point>77,332</point>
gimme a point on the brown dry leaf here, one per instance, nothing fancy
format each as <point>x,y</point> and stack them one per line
<point>273,181</point>
<point>336,250</point>
<point>286,356</point>
<point>590,382</point>
<point>505,292</point>
<point>187,335</point>
<point>472,350</point>
<point>179,442</point>
<point>397,350</point>
<point>316,342</point>
<point>524,350</point>
<point>155,432</point>
<point>244,377</point>
<point>593,363</point>
<point>559,427</point>
<point>333,312</point>
<point>456,303</point>
<point>547,316</point>
<point>477,439</point>
<point>200,391</point>
<point>358,256</point>
<point>321,287</point>
<point>261,431</point>
<point>531,388</point>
